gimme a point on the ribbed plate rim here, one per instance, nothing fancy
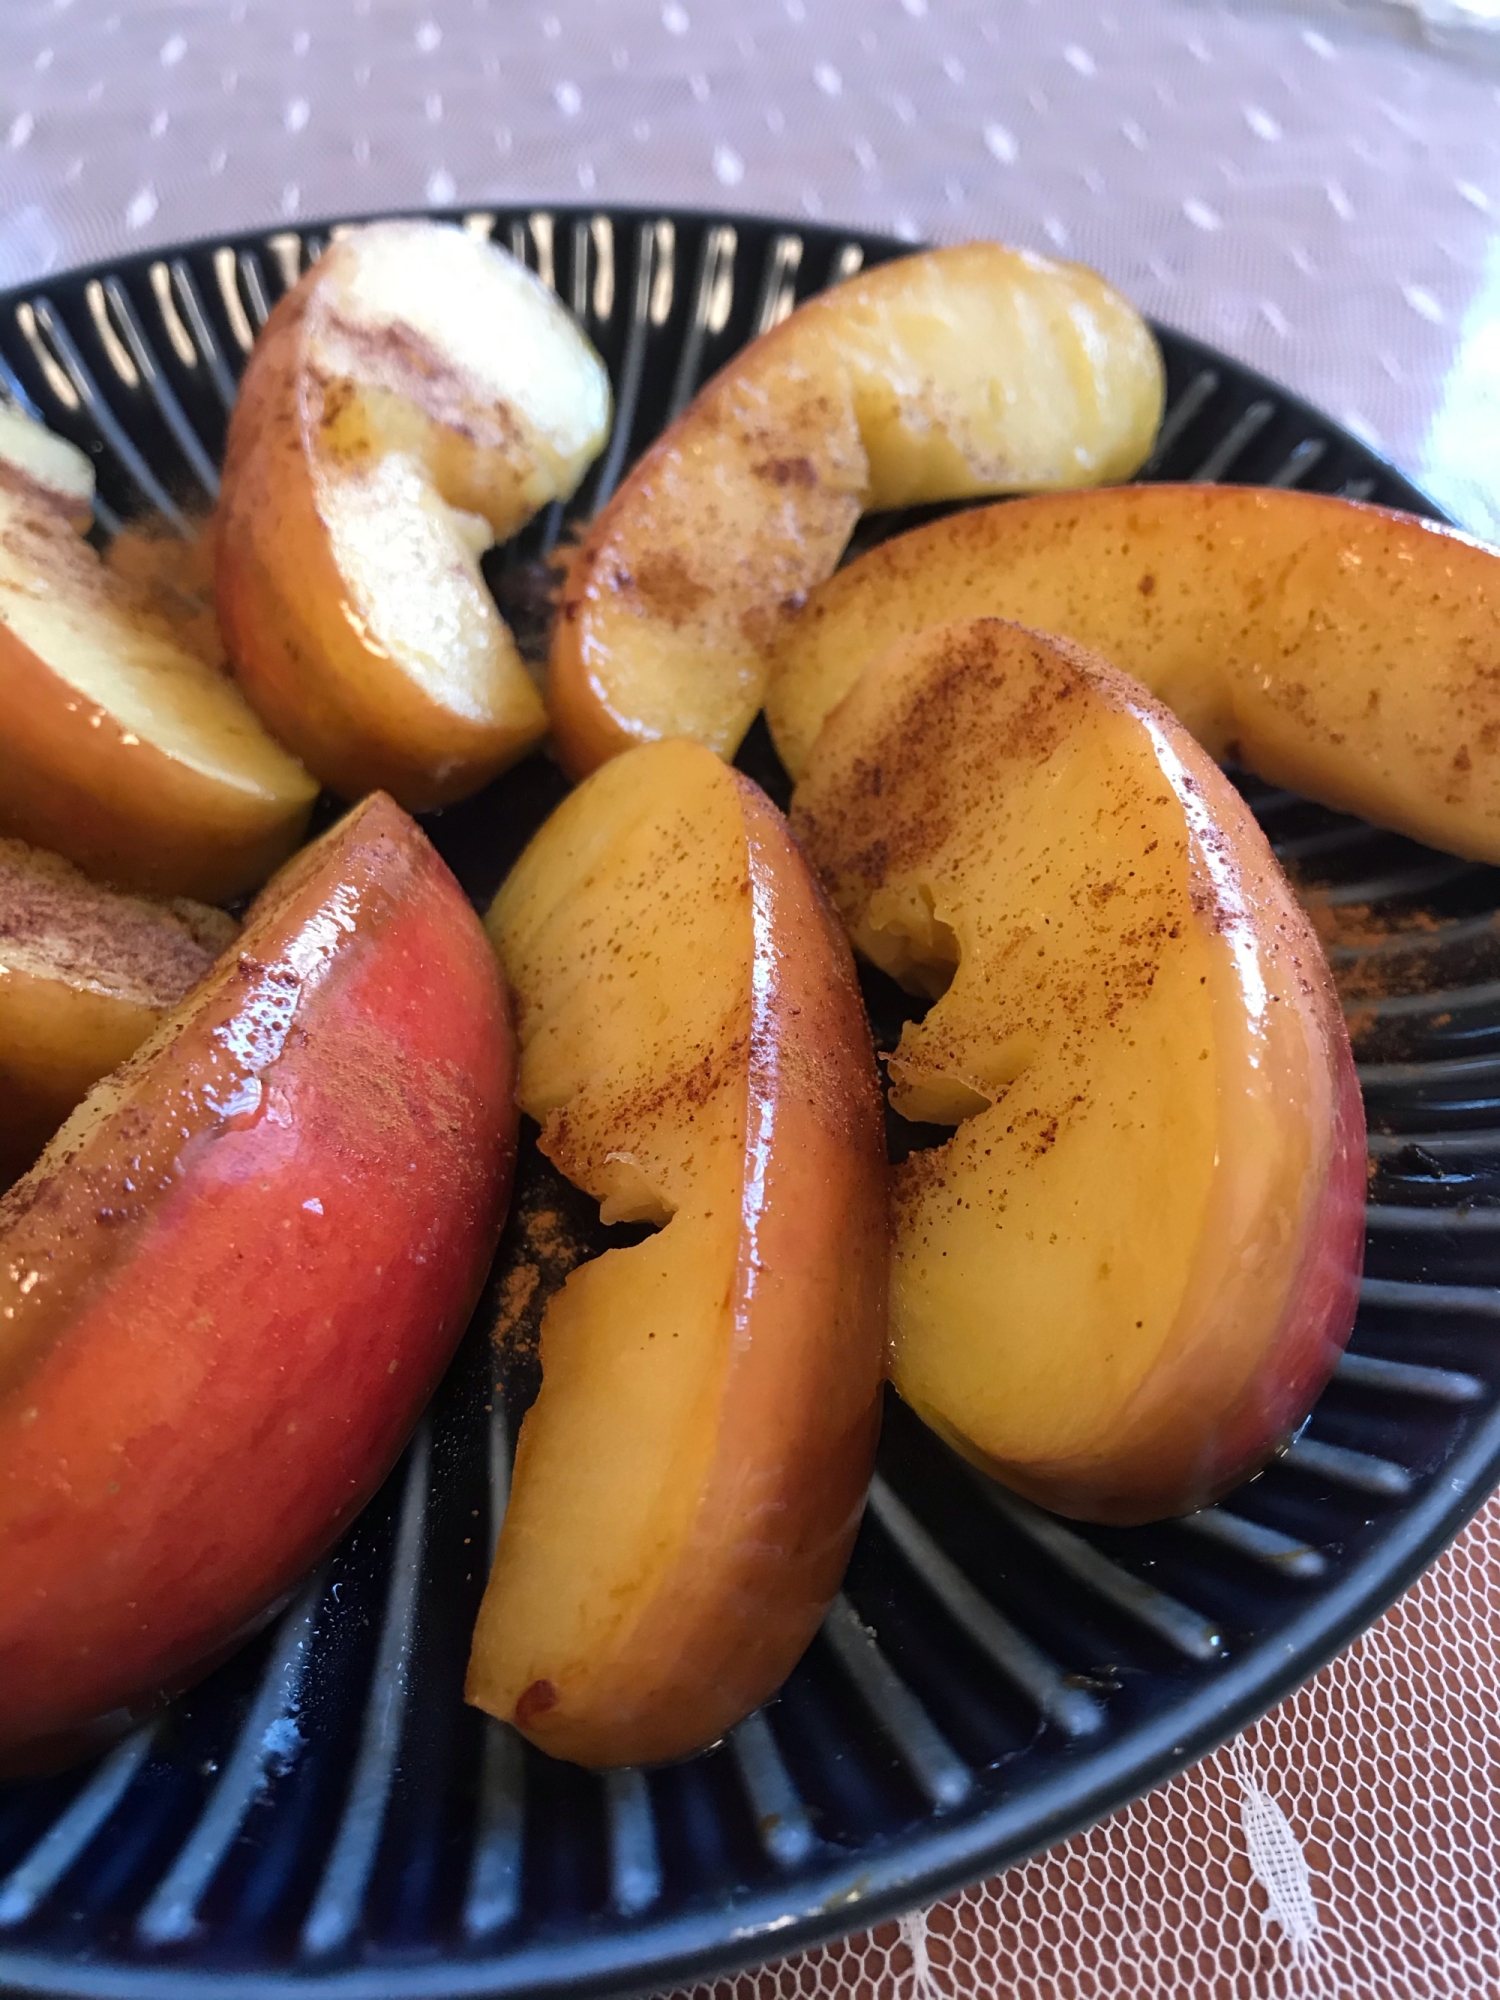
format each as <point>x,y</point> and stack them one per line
<point>637,212</point>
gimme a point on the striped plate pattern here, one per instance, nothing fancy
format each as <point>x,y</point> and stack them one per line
<point>325,1812</point>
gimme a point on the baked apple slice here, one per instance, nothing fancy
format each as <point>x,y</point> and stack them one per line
<point>85,975</point>
<point>1343,650</point>
<point>416,397</point>
<point>688,1483</point>
<point>231,1281</point>
<point>1123,1281</point>
<point>174,573</point>
<point>43,459</point>
<point>120,747</point>
<point>959,372</point>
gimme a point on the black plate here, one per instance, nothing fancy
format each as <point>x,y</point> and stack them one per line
<point>325,1812</point>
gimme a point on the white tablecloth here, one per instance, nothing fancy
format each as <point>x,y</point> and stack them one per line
<point>1322,200</point>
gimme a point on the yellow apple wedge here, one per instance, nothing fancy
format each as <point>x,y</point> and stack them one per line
<point>120,748</point>
<point>85,974</point>
<point>1347,651</point>
<point>689,1481</point>
<point>937,377</point>
<point>416,397</point>
<point>1123,1281</point>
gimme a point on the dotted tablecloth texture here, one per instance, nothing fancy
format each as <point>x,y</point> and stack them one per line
<point>1317,197</point>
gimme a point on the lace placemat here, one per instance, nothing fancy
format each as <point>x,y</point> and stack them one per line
<point>1348,1844</point>
<point>1318,199</point>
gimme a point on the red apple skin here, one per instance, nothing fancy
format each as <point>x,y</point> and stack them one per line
<point>235,1277</point>
<point>1321,1306</point>
<point>1162,1461</point>
<point>1164,1465</point>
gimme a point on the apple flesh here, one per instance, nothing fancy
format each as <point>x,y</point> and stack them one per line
<point>49,463</point>
<point>937,377</point>
<point>119,747</point>
<point>1346,651</point>
<point>85,975</point>
<point>232,1280</point>
<point>173,573</point>
<point>689,1481</point>
<point>416,397</point>
<point>1124,1280</point>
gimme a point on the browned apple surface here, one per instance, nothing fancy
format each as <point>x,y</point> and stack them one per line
<point>968,370</point>
<point>235,1275</point>
<point>1124,1280</point>
<point>688,1483</point>
<point>85,975</point>
<point>416,397</point>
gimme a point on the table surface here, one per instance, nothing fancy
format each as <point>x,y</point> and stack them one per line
<point>1307,188</point>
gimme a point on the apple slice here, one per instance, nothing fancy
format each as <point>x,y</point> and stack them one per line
<point>416,397</point>
<point>1122,1283</point>
<point>119,747</point>
<point>85,975</point>
<point>231,1281</point>
<point>1346,651</point>
<point>174,574</point>
<point>958,372</point>
<point>42,459</point>
<point>689,1481</point>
